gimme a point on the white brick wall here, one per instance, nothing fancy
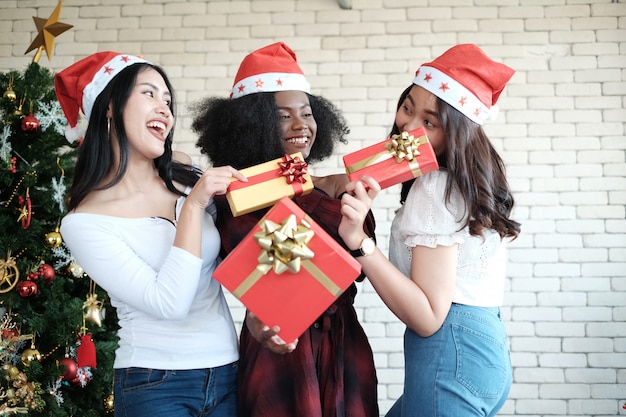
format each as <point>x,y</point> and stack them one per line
<point>561,132</point>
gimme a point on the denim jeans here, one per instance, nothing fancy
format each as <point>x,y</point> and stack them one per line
<point>462,370</point>
<point>141,392</point>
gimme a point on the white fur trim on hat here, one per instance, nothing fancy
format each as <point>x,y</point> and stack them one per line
<point>453,93</point>
<point>102,78</point>
<point>271,82</point>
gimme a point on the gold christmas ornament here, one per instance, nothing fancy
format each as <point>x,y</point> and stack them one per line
<point>10,94</point>
<point>9,274</point>
<point>30,355</point>
<point>48,30</point>
<point>18,111</point>
<point>108,404</point>
<point>76,270</point>
<point>92,307</point>
<point>92,310</point>
<point>13,371</point>
<point>54,239</point>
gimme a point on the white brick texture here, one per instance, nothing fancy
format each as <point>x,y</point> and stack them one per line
<point>561,131</point>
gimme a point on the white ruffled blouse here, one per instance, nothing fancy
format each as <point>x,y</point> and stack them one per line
<point>425,219</point>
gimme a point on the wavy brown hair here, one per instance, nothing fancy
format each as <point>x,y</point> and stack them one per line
<point>476,170</point>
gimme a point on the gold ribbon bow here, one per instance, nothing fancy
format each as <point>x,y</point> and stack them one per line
<point>284,245</point>
<point>284,249</point>
<point>403,147</point>
<point>293,169</point>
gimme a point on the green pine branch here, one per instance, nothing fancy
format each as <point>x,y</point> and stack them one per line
<point>54,315</point>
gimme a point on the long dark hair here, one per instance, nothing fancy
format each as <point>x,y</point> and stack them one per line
<point>245,131</point>
<point>476,170</point>
<point>95,156</point>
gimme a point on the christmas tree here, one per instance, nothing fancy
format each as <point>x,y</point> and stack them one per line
<point>57,344</point>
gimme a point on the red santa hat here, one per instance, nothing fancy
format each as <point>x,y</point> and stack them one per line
<point>269,69</point>
<point>78,86</point>
<point>467,79</point>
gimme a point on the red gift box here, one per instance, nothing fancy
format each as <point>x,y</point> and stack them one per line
<point>395,160</point>
<point>287,270</point>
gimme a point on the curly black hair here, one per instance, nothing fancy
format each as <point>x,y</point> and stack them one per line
<point>245,131</point>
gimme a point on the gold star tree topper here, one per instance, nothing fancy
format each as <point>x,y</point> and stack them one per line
<point>48,30</point>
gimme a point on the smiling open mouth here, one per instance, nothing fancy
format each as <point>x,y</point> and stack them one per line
<point>158,126</point>
<point>302,140</point>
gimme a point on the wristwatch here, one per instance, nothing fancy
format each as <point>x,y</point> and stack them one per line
<point>367,248</point>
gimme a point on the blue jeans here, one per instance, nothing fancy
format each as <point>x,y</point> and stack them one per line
<point>141,392</point>
<point>462,370</point>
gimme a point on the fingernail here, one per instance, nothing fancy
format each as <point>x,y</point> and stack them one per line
<point>278,340</point>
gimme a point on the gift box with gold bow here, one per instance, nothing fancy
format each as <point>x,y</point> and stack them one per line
<point>287,270</point>
<point>269,182</point>
<point>395,160</point>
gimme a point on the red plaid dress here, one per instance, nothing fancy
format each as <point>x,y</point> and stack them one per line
<point>331,373</point>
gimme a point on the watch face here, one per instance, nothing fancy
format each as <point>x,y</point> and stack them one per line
<point>368,246</point>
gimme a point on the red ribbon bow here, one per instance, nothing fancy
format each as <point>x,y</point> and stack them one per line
<point>293,169</point>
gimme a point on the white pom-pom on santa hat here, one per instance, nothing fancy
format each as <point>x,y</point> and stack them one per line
<point>269,69</point>
<point>73,134</point>
<point>78,86</point>
<point>467,79</point>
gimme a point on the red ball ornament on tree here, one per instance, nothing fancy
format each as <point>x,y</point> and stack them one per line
<point>26,288</point>
<point>76,380</point>
<point>69,369</point>
<point>30,124</point>
<point>9,333</point>
<point>47,272</point>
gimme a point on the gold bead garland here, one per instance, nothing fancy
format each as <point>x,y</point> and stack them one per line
<point>19,184</point>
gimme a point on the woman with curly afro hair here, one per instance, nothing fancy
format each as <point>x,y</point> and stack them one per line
<point>329,371</point>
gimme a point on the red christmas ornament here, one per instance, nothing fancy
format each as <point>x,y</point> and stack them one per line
<point>86,351</point>
<point>30,124</point>
<point>26,288</point>
<point>76,380</point>
<point>47,272</point>
<point>13,168</point>
<point>69,369</point>
<point>9,333</point>
<point>83,376</point>
<point>26,210</point>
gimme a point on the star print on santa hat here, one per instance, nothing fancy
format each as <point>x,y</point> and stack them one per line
<point>269,69</point>
<point>78,86</point>
<point>467,79</point>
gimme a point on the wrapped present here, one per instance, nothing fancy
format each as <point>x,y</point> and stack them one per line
<point>395,160</point>
<point>287,270</point>
<point>269,182</point>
